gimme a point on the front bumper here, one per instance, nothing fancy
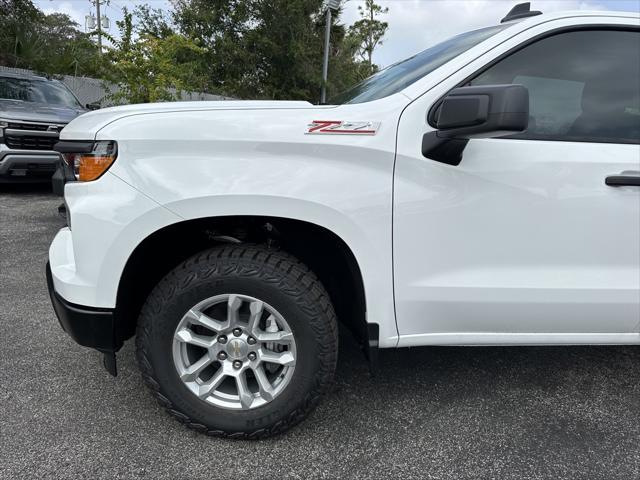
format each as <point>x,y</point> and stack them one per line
<point>27,165</point>
<point>88,326</point>
<point>109,220</point>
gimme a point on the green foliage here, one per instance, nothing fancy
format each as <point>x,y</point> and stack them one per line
<point>152,21</point>
<point>46,43</point>
<point>221,26</point>
<point>149,68</point>
<point>368,32</point>
<point>286,49</point>
<point>268,49</point>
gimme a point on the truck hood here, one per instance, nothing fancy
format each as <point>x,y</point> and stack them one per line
<point>86,126</point>
<point>37,112</point>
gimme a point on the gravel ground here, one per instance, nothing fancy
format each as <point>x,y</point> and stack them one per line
<point>453,413</point>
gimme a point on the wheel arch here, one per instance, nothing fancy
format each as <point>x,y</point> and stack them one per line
<point>323,250</point>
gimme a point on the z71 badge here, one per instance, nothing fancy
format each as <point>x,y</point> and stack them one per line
<point>340,127</point>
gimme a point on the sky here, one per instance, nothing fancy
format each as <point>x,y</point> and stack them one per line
<point>413,24</point>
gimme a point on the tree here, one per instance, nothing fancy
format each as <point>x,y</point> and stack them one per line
<point>152,21</point>
<point>221,26</point>
<point>46,43</point>
<point>267,48</point>
<point>67,50</point>
<point>17,18</point>
<point>151,69</point>
<point>287,48</point>
<point>344,70</point>
<point>369,31</point>
<point>242,48</point>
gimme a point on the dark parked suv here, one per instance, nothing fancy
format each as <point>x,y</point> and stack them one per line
<point>33,110</point>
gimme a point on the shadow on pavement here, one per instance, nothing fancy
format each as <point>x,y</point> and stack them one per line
<point>24,187</point>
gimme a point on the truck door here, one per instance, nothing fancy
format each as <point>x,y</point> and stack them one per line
<point>532,238</point>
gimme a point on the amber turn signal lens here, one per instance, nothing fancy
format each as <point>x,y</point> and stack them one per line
<point>92,167</point>
<point>88,166</point>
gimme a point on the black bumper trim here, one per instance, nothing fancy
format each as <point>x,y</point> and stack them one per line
<point>88,326</point>
<point>62,175</point>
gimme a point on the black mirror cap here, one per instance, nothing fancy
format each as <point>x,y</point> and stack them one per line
<point>484,112</point>
<point>93,106</point>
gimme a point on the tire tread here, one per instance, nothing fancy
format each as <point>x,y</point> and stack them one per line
<point>276,267</point>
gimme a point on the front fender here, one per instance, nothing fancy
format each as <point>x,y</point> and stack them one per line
<point>203,164</point>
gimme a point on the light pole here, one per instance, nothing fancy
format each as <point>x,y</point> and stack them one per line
<point>330,5</point>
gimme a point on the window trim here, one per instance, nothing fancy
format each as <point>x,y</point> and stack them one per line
<point>433,110</point>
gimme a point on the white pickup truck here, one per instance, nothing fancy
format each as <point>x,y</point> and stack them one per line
<point>483,192</point>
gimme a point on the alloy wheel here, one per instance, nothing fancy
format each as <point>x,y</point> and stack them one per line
<point>234,351</point>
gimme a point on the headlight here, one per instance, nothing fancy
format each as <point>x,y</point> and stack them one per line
<point>88,160</point>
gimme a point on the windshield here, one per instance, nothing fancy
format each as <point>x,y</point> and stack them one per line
<point>402,74</point>
<point>38,91</point>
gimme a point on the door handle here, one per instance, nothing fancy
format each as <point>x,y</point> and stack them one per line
<point>623,180</point>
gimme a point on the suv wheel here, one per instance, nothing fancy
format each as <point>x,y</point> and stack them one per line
<point>238,341</point>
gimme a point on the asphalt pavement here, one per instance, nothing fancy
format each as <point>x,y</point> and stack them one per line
<point>435,412</point>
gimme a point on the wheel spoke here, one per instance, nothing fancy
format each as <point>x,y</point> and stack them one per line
<point>264,386</point>
<point>244,394</point>
<point>233,307</point>
<point>214,382</point>
<point>276,337</point>
<point>284,358</point>
<point>200,318</point>
<point>194,370</point>
<point>187,336</point>
<point>256,309</point>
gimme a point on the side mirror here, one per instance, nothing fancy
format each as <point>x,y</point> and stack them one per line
<point>475,112</point>
<point>93,106</point>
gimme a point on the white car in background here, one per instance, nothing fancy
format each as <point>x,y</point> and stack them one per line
<point>483,192</point>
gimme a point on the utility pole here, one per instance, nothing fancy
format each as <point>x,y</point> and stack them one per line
<point>98,23</point>
<point>99,27</point>
<point>331,5</point>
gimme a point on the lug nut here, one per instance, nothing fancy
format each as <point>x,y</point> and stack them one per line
<point>237,332</point>
<point>237,364</point>
<point>222,339</point>
<point>222,356</point>
<point>251,341</point>
<point>252,356</point>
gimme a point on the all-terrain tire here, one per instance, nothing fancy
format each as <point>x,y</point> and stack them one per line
<point>272,276</point>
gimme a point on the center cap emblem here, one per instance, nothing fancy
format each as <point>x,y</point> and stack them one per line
<point>237,349</point>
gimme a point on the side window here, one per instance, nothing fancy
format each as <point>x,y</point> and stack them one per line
<point>583,85</point>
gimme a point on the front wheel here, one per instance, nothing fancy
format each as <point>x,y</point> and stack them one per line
<point>238,341</point>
